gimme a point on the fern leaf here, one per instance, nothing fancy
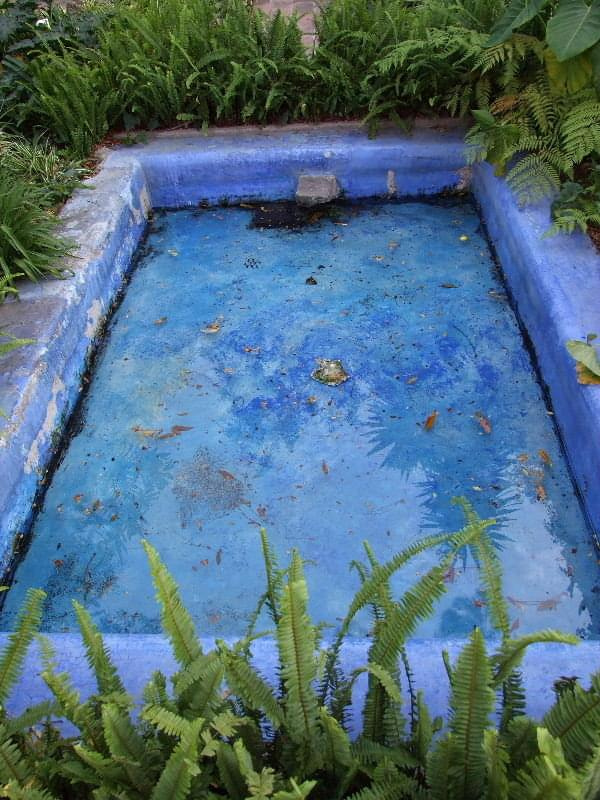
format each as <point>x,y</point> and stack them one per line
<point>439,763</point>
<point>250,687</point>
<point>176,621</point>
<point>12,765</point>
<point>496,766</point>
<point>471,704</point>
<point>338,756</point>
<point>123,741</point>
<point>96,653</point>
<point>198,686</point>
<point>229,772</point>
<point>19,640</point>
<point>15,792</point>
<point>590,784</point>
<point>176,779</point>
<point>512,651</point>
<point>296,639</point>
<point>575,720</point>
<point>167,721</point>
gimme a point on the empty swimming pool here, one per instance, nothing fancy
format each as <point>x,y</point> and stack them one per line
<point>206,420</point>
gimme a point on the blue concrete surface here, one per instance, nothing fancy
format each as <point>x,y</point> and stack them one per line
<point>555,283</point>
<point>237,165</point>
<point>27,396</point>
<point>138,656</point>
<point>407,297</point>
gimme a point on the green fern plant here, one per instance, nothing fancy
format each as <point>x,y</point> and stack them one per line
<point>218,728</point>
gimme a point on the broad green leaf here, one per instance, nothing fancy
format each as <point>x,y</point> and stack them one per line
<point>575,27</point>
<point>518,13</point>
<point>585,354</point>
<point>570,76</point>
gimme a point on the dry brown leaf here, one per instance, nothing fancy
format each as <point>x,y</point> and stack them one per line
<point>541,493</point>
<point>325,467</point>
<point>160,321</point>
<point>484,422</point>
<point>544,455</point>
<point>430,421</point>
<point>586,377</point>
<point>227,475</point>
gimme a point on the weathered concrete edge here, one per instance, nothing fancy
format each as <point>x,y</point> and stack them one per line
<point>106,224</point>
<point>138,656</point>
<point>209,168</point>
<point>555,283</point>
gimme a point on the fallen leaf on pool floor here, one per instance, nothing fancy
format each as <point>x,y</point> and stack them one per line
<point>311,400</point>
<point>430,421</point>
<point>464,238</point>
<point>412,379</point>
<point>325,467</point>
<point>449,285</point>
<point>219,556</point>
<point>541,493</point>
<point>148,432</point>
<point>484,422</point>
<point>173,252</point>
<point>78,498</point>
<point>176,430</point>
<point>160,321</point>
<point>227,475</point>
<point>214,327</point>
<point>545,457</point>
<point>522,457</point>
<point>549,605</point>
<point>248,349</point>
<point>311,281</point>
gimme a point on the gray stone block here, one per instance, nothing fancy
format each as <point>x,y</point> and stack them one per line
<point>316,189</point>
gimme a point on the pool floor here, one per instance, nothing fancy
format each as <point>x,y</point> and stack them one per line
<point>204,422</point>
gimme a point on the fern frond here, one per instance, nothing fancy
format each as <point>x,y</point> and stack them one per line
<point>123,741</point>
<point>13,655</point>
<point>575,720</point>
<point>167,721</point>
<point>13,766</point>
<point>182,766</point>
<point>198,686</point>
<point>97,654</point>
<point>590,777</point>
<point>296,639</point>
<point>497,759</point>
<point>13,791</point>
<point>580,131</point>
<point>471,704</point>
<point>250,687</point>
<point>512,651</point>
<point>176,620</point>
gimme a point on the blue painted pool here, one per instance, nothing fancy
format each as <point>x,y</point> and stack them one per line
<point>203,422</point>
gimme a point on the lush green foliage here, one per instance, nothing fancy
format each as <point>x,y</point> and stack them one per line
<point>527,69</point>
<point>28,244</point>
<point>219,729</point>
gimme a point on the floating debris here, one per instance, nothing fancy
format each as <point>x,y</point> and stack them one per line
<point>429,423</point>
<point>330,372</point>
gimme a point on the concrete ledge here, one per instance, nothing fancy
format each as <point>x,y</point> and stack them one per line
<point>138,656</point>
<point>555,284</point>
<point>39,384</point>
<point>241,166</point>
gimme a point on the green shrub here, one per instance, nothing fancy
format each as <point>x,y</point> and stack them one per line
<point>29,246</point>
<point>41,164</point>
<point>219,729</point>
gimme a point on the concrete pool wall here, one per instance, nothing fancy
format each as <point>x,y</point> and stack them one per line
<point>555,285</point>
